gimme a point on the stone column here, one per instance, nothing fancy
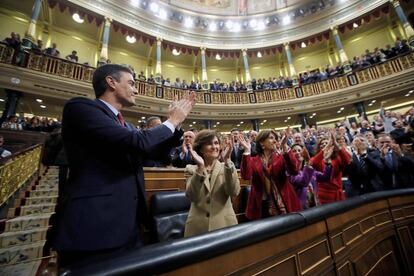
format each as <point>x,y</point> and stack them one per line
<point>29,38</point>
<point>207,124</point>
<point>303,120</point>
<point>11,104</point>
<point>342,55</point>
<point>409,31</point>
<point>247,69</point>
<point>105,40</point>
<point>255,125</point>
<point>158,71</point>
<point>360,108</point>
<point>292,70</point>
<point>204,79</point>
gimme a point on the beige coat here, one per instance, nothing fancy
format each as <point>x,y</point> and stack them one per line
<point>211,206</point>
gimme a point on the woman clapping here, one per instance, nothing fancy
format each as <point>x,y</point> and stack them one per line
<point>210,185</point>
<point>271,193</point>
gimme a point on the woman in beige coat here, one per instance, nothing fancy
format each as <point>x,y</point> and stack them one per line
<point>210,185</point>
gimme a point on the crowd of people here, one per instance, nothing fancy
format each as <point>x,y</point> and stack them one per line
<point>15,42</point>
<point>34,123</point>
<point>378,55</point>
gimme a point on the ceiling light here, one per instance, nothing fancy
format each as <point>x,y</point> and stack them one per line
<point>217,123</point>
<point>411,91</point>
<point>188,22</point>
<point>39,100</point>
<point>236,27</point>
<point>339,111</point>
<point>355,25</point>
<point>261,25</point>
<point>241,122</point>
<point>1,100</point>
<point>229,24</point>
<point>373,101</point>
<point>212,26</point>
<point>261,123</point>
<point>214,126</point>
<point>303,45</point>
<point>342,108</point>
<point>162,14</point>
<point>154,7</point>
<point>285,121</point>
<point>264,121</point>
<point>194,123</point>
<point>407,95</point>
<point>131,39</point>
<point>288,118</point>
<point>77,18</point>
<point>143,117</point>
<point>259,54</point>
<point>218,57</point>
<point>175,52</point>
<point>135,3</point>
<point>286,20</point>
<point>253,23</point>
<point>42,106</point>
<point>314,114</point>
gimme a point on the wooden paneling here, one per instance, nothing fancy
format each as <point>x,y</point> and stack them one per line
<point>361,241</point>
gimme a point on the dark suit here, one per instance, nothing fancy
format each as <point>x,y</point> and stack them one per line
<point>104,201</point>
<point>177,161</point>
<point>236,156</point>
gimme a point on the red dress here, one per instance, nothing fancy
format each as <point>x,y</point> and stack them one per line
<point>331,190</point>
<point>282,165</point>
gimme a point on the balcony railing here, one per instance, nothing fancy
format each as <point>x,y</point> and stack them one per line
<point>67,69</point>
<point>18,170</point>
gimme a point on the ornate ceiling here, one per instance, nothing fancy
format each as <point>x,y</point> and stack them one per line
<point>231,24</point>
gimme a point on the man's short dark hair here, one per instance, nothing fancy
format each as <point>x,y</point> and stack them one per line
<point>99,82</point>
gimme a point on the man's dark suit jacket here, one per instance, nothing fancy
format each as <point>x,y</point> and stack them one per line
<point>104,200</point>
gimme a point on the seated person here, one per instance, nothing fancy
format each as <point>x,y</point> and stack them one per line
<point>210,185</point>
<point>13,41</point>
<point>180,156</point>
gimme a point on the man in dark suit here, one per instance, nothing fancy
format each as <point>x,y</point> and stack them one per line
<point>180,156</point>
<point>104,200</point>
<point>238,150</point>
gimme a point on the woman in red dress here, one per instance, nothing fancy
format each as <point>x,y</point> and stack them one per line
<point>331,190</point>
<point>271,192</point>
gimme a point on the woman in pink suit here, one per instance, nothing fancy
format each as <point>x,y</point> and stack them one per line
<point>271,193</point>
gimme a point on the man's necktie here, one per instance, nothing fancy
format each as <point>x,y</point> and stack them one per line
<point>121,119</point>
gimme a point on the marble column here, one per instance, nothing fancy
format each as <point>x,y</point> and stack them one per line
<point>204,79</point>
<point>409,31</point>
<point>292,70</point>
<point>11,104</point>
<point>247,69</point>
<point>29,38</point>
<point>342,55</point>
<point>158,71</point>
<point>105,40</point>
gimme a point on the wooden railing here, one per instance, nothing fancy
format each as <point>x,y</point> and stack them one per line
<point>67,69</point>
<point>370,234</point>
<point>18,170</point>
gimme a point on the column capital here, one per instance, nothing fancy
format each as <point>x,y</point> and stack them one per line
<point>159,39</point>
<point>334,28</point>
<point>286,45</point>
<point>108,21</point>
<point>244,51</point>
<point>202,48</point>
<point>395,3</point>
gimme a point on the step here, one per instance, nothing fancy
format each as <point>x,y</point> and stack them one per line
<point>36,209</point>
<point>23,223</point>
<point>21,253</point>
<point>8,239</point>
<point>41,200</point>
<point>43,193</point>
<point>54,187</point>
<point>29,268</point>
